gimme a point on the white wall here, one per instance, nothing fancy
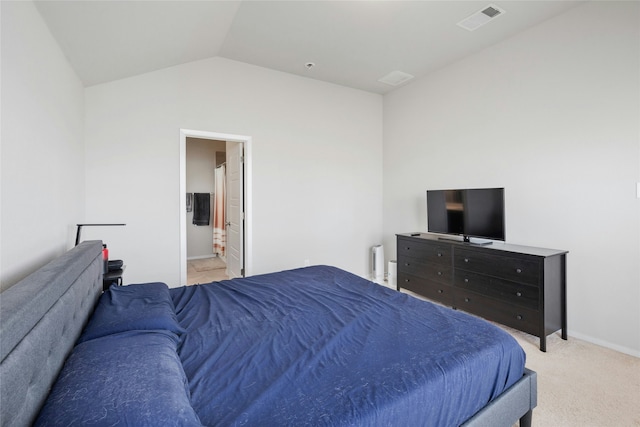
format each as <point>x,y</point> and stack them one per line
<point>42,149</point>
<point>317,159</point>
<point>553,115</point>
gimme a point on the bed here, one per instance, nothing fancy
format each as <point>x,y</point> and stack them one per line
<point>311,346</point>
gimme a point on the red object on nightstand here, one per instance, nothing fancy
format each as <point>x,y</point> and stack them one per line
<point>105,259</point>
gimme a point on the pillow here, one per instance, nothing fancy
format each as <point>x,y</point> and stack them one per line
<point>133,378</point>
<point>145,306</point>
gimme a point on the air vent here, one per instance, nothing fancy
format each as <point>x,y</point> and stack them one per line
<point>395,78</point>
<point>491,12</point>
<point>481,17</point>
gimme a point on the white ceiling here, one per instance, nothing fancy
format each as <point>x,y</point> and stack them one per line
<point>352,43</point>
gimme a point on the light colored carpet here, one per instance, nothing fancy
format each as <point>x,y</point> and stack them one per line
<point>582,384</point>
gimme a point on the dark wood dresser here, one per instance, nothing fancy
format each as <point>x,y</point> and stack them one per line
<point>518,286</point>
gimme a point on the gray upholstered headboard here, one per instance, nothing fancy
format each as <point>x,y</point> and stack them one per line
<point>41,317</point>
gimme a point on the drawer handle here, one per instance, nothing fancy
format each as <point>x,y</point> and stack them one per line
<point>408,248</point>
<point>440,291</point>
<point>518,294</point>
<point>467,300</point>
<point>406,280</point>
<point>518,270</point>
<point>519,317</point>
<point>466,280</point>
<point>466,260</point>
<point>439,254</point>
<point>439,273</point>
<point>407,264</point>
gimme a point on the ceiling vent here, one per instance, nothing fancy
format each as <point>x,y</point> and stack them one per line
<point>481,17</point>
<point>395,78</point>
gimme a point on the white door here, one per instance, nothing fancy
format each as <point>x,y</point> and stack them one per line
<point>235,210</point>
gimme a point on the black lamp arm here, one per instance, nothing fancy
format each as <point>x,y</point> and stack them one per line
<point>91,225</point>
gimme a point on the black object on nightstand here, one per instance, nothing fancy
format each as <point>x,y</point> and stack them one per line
<point>114,275</point>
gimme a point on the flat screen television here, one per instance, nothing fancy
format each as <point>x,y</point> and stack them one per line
<point>477,212</point>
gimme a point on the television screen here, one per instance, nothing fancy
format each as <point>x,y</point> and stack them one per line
<point>475,212</point>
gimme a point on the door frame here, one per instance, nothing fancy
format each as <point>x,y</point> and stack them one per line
<point>247,190</point>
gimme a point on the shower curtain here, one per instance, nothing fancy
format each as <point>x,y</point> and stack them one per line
<point>219,230</point>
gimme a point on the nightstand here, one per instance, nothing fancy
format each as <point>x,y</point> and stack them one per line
<point>113,276</point>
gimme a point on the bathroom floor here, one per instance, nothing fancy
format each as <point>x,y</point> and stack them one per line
<point>206,270</point>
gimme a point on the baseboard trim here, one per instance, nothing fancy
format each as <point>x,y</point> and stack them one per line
<point>602,343</point>
<point>191,258</point>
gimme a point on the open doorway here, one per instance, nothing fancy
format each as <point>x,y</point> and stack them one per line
<point>237,223</point>
<point>206,210</point>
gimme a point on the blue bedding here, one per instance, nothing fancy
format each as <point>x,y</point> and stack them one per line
<point>321,346</point>
<point>131,378</point>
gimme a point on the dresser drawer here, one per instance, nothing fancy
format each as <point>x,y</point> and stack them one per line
<point>442,273</point>
<point>510,292</point>
<point>520,318</point>
<point>523,270</point>
<point>433,290</point>
<point>431,252</point>
<point>504,283</point>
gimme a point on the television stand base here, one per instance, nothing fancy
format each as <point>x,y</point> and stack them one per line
<point>466,241</point>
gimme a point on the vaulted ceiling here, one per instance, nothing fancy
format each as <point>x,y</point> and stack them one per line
<point>350,43</point>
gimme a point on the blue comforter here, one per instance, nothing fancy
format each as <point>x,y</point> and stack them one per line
<point>320,346</point>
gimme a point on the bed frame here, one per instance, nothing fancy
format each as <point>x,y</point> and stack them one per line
<point>42,316</point>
